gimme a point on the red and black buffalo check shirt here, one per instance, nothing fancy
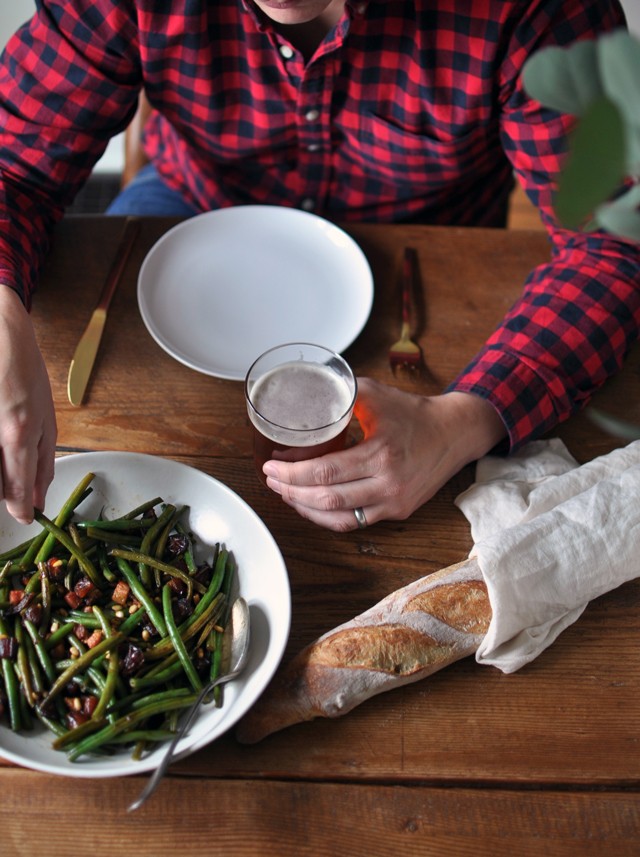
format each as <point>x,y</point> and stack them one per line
<point>410,110</point>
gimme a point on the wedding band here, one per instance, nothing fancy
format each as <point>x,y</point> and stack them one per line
<point>360,518</point>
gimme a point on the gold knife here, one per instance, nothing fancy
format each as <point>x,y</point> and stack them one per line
<point>86,350</point>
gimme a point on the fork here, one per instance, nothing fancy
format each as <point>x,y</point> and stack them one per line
<point>405,353</point>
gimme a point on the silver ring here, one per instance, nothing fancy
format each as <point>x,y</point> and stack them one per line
<point>360,517</point>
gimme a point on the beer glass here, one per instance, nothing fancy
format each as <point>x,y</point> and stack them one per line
<point>300,399</point>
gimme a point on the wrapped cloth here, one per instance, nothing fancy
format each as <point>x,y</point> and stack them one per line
<point>549,537</point>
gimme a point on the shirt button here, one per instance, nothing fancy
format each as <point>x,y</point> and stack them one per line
<point>311,115</point>
<point>308,204</point>
<point>313,147</point>
<point>286,51</point>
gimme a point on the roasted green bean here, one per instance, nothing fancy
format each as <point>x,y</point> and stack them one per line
<point>109,628</point>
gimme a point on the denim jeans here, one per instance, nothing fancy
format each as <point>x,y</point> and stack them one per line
<point>147,194</point>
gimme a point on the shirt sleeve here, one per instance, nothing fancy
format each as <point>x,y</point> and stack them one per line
<point>69,80</point>
<point>579,314</point>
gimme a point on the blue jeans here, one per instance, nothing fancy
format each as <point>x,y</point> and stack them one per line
<point>147,194</point>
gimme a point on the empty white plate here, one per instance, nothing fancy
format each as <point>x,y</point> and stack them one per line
<point>219,289</point>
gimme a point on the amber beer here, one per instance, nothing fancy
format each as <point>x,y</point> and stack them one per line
<point>300,400</point>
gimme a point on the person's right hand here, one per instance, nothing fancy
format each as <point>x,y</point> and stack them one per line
<point>27,417</point>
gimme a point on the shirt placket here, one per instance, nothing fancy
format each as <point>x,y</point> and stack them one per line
<point>313,119</point>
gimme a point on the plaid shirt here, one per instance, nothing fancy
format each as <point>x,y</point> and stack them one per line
<point>409,110</point>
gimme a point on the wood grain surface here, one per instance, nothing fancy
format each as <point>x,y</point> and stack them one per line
<point>469,761</point>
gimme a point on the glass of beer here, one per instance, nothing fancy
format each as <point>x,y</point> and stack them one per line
<point>300,399</point>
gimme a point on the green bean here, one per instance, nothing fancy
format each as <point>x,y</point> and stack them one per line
<point>212,626</point>
<point>80,664</point>
<point>189,628</point>
<point>148,540</point>
<point>216,637</point>
<point>37,677</point>
<point>13,694</point>
<point>148,735</point>
<point>23,666</point>
<point>77,644</point>
<point>42,545</point>
<point>163,535</point>
<point>65,540</point>
<point>103,563</point>
<point>78,732</point>
<point>171,570</point>
<point>177,641</point>
<point>145,507</point>
<point>26,723</point>
<point>97,678</point>
<point>45,592</point>
<point>161,677</point>
<point>104,736</point>
<point>87,620</point>
<point>41,651</point>
<point>113,537</point>
<point>116,525</point>
<point>82,544</point>
<point>143,596</point>
<point>215,584</point>
<point>59,635</point>
<point>51,724</point>
<point>145,706</point>
<point>8,569</point>
<point>112,670</point>
<point>159,697</point>
<point>15,552</point>
<point>188,554</point>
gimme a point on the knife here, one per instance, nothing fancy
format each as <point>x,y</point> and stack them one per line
<point>86,350</point>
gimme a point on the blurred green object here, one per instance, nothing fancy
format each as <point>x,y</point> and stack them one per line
<point>612,425</point>
<point>597,81</point>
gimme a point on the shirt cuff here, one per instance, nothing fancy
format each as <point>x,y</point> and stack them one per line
<point>515,390</point>
<point>8,279</point>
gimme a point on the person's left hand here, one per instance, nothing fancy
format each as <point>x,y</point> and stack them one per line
<point>412,445</point>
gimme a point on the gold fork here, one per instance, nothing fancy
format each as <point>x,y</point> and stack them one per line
<point>405,353</point>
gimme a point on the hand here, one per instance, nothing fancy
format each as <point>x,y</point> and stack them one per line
<point>27,417</point>
<point>412,445</point>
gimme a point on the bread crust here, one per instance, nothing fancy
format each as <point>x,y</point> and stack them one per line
<point>410,634</point>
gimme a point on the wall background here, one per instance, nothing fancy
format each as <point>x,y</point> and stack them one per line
<point>20,10</point>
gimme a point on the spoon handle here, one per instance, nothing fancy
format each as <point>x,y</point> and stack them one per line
<point>159,772</point>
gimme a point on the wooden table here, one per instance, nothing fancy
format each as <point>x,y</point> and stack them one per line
<point>469,761</point>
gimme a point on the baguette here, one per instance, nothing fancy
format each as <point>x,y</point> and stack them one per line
<point>412,633</point>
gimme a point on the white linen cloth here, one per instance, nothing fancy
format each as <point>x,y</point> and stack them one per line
<point>550,536</point>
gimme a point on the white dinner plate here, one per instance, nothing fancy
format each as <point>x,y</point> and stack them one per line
<point>219,289</point>
<point>123,481</point>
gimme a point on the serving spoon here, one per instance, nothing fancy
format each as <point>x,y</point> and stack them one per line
<point>239,651</point>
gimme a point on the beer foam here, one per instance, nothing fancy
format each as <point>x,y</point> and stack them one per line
<point>301,397</point>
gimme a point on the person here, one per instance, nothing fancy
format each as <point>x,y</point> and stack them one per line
<point>363,110</point>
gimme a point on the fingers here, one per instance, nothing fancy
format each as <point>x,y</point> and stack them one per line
<point>412,445</point>
<point>27,456</point>
<point>326,490</point>
<point>27,416</point>
<point>46,461</point>
<point>26,473</point>
<point>334,468</point>
<point>18,483</point>
<point>331,506</point>
<point>342,521</point>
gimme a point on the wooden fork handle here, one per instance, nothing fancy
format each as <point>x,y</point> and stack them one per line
<point>409,268</point>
